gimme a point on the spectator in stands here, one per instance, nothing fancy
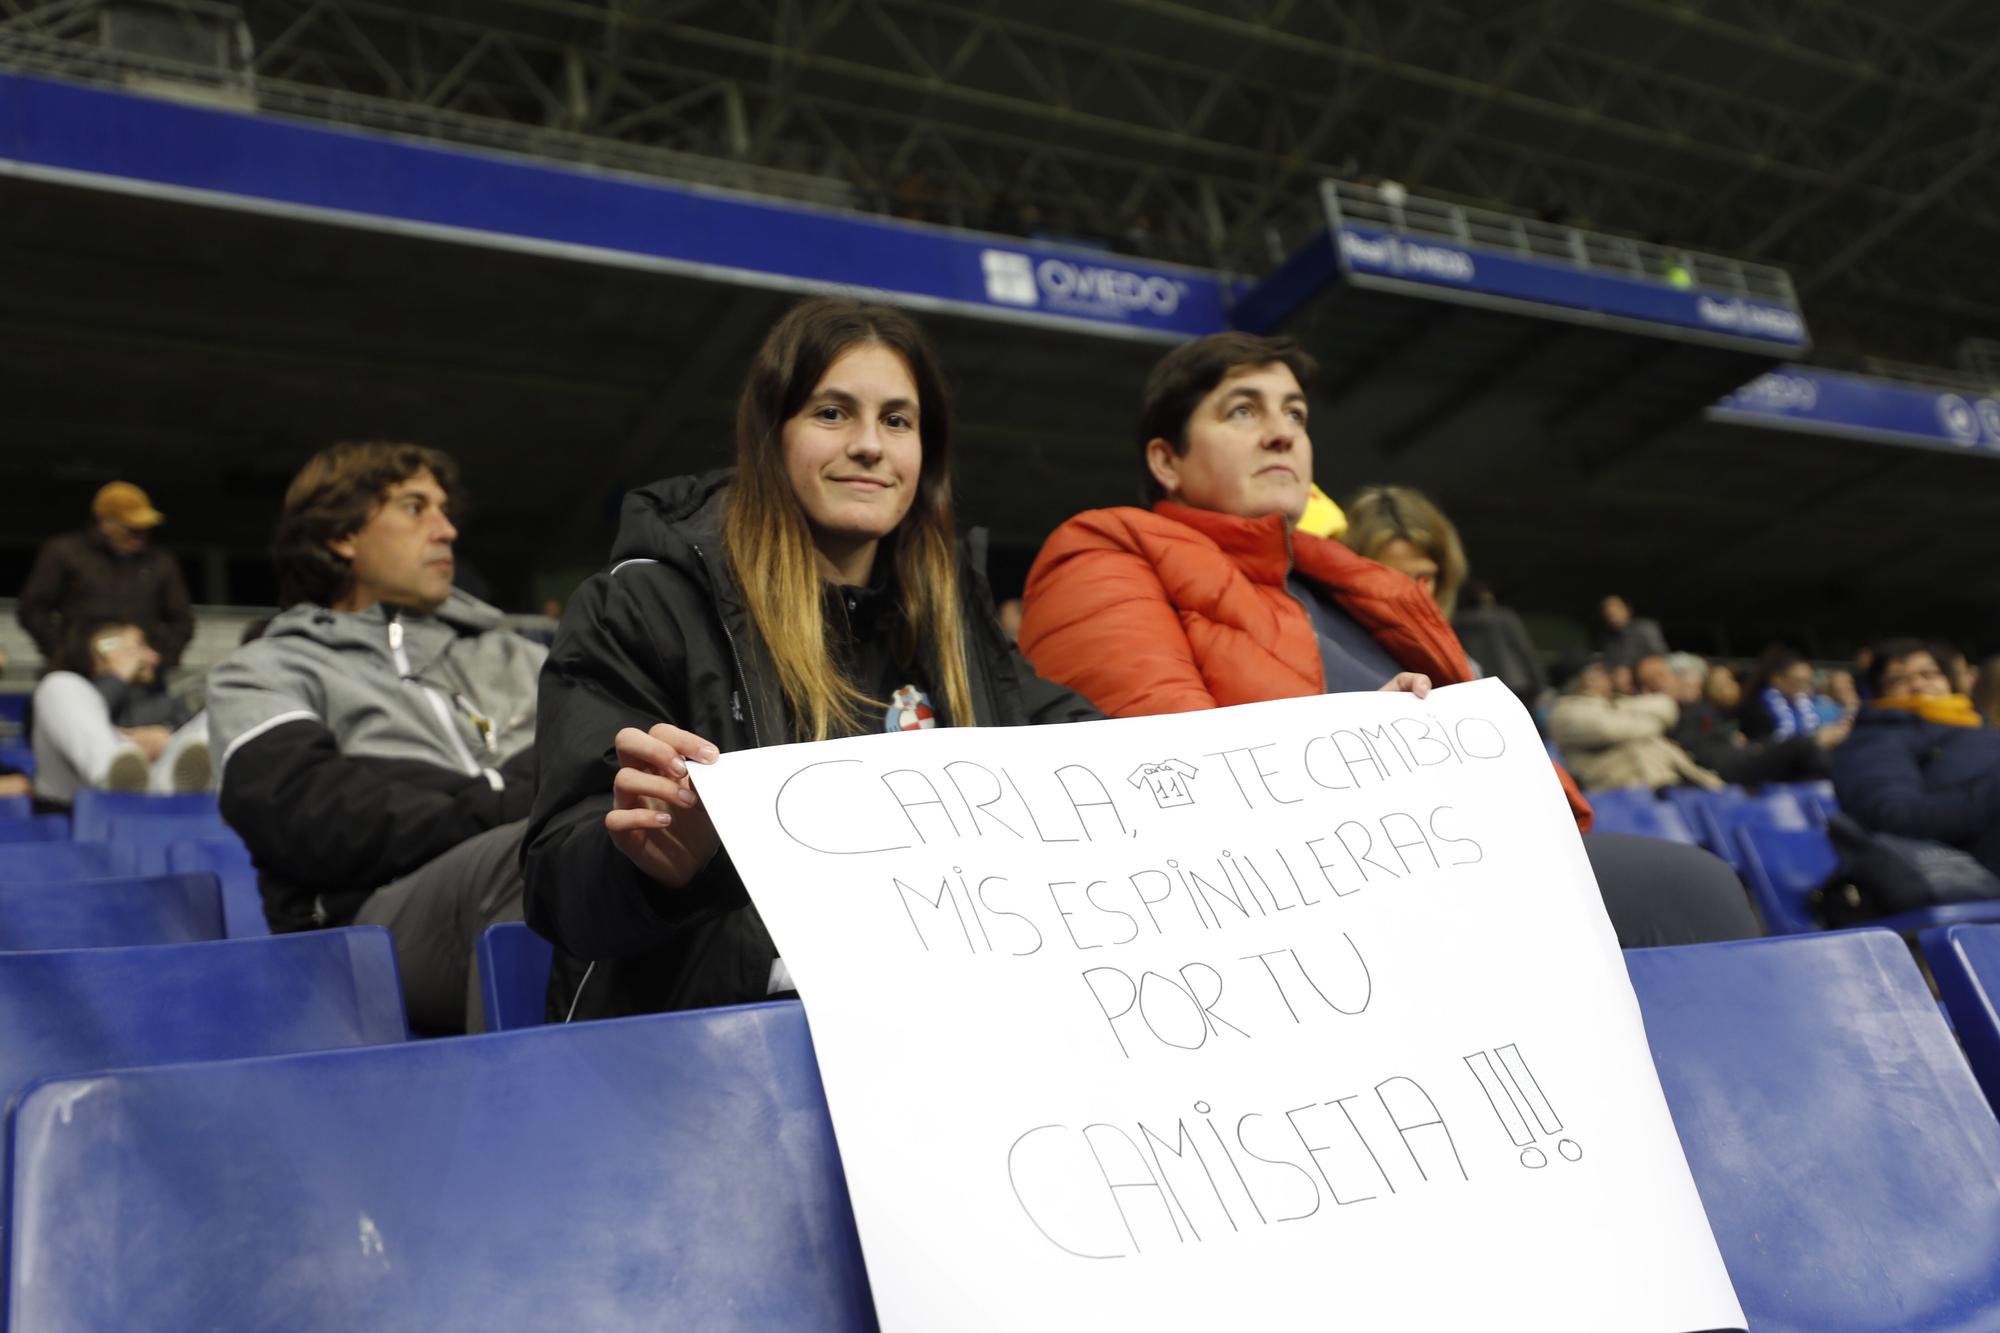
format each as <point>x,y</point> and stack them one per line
<point>1625,640</point>
<point>1986,691</point>
<point>1839,698</point>
<point>1864,669</point>
<point>109,574</point>
<point>1713,738</point>
<point>1210,598</point>
<point>97,722</point>
<point>820,590</point>
<point>1725,691</point>
<point>1958,668</point>
<point>1779,705</point>
<point>1919,763</point>
<point>1614,742</point>
<point>376,740</point>
<point>1401,528</point>
<point>1496,638</point>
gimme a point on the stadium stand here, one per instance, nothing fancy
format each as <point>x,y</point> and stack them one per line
<point>682,1171</point>
<point>1965,961</point>
<point>512,262</point>
<point>1849,1165</point>
<point>69,1011</point>
<point>110,913</point>
<point>513,976</point>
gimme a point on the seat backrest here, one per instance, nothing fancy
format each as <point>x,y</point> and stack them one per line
<point>34,828</point>
<point>242,904</point>
<point>513,976</point>
<point>149,836</point>
<point>1965,960</point>
<point>1849,1166</point>
<point>16,807</point>
<point>670,1171</point>
<point>72,1011</point>
<point>93,810</point>
<point>110,913</point>
<point>47,860</point>
<point>16,756</point>
<point>1782,868</point>
<point>1653,819</point>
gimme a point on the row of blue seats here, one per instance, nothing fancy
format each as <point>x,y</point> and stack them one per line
<point>679,1170</point>
<point>208,1002</point>
<point>1776,840</point>
<point>127,834</point>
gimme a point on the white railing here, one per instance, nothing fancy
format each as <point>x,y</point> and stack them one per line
<point>1393,209</point>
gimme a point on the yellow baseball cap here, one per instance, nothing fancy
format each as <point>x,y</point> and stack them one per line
<point>126,504</point>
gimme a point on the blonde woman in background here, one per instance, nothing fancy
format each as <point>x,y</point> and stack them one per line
<point>1401,528</point>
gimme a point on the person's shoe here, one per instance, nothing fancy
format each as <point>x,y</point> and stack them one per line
<point>192,768</point>
<point>129,770</point>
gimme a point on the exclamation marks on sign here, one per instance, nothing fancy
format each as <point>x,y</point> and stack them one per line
<point>1515,1096</point>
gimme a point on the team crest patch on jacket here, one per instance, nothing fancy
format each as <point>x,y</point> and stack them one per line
<point>909,710</point>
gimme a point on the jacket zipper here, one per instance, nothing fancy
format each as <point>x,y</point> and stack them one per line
<point>742,677</point>
<point>437,702</point>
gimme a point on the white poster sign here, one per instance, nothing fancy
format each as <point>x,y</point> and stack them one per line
<point>1296,1015</point>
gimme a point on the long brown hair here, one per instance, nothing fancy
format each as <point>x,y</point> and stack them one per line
<point>770,545</point>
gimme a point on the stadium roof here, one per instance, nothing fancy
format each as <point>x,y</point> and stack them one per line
<point>1850,142</point>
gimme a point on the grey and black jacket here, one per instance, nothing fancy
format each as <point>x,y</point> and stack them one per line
<point>663,636</point>
<point>357,746</point>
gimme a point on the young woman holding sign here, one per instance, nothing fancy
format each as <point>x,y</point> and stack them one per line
<point>818,590</point>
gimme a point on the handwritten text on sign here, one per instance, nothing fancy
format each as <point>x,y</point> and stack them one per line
<point>1305,1010</point>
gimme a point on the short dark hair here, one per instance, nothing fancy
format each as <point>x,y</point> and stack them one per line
<point>331,498</point>
<point>1895,650</point>
<point>1190,373</point>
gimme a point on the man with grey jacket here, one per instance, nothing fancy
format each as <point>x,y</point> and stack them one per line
<point>377,743</point>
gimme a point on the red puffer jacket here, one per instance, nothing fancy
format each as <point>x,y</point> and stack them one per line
<point>1174,609</point>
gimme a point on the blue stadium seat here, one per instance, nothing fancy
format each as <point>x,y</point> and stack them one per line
<point>45,859</point>
<point>1816,799</point>
<point>16,807</point>
<point>149,836</point>
<point>1965,960</point>
<point>513,976</point>
<point>229,860</point>
<point>108,913</point>
<point>1783,866</point>
<point>1849,1166</point>
<point>671,1171</point>
<point>1649,817</point>
<point>35,828</point>
<point>77,1011</point>
<point>94,810</point>
<point>19,758</point>
<point>1721,814</point>
<point>1694,803</point>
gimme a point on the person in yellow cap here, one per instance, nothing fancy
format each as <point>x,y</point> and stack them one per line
<point>109,573</point>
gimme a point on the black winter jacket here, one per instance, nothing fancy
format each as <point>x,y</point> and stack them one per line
<point>664,636</point>
<point>79,580</point>
<point>1897,773</point>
